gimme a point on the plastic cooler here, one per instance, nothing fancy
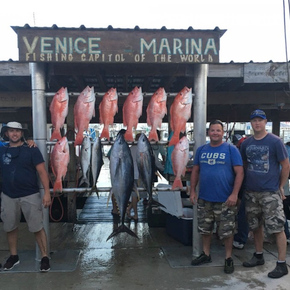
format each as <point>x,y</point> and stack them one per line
<point>178,218</point>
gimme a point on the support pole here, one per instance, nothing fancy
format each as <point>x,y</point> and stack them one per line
<point>275,118</point>
<point>200,113</point>
<point>37,71</point>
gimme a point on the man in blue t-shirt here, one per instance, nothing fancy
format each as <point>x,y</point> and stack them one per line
<point>19,165</point>
<point>266,170</point>
<point>218,168</point>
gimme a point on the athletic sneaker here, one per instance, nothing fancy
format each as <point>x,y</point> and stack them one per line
<point>238,245</point>
<point>11,262</point>
<point>256,260</point>
<point>44,264</point>
<point>280,270</point>
<point>202,259</point>
<point>229,266</point>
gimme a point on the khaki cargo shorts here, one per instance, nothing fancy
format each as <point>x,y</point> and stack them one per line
<point>265,208</point>
<point>209,213</point>
<point>30,205</point>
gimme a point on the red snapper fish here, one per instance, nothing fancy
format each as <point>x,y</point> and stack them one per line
<point>58,109</point>
<point>108,109</point>
<point>156,110</point>
<point>132,110</point>
<point>59,160</point>
<point>180,112</point>
<point>84,110</point>
<point>180,157</point>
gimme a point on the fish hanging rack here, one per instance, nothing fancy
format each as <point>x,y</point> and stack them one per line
<point>120,94</point>
<point>128,142</point>
<point>107,189</point>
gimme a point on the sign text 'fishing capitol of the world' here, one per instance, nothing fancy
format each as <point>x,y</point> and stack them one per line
<point>117,46</point>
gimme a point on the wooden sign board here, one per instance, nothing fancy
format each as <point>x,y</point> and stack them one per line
<point>118,45</point>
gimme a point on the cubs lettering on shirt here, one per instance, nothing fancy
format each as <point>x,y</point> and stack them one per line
<point>213,158</point>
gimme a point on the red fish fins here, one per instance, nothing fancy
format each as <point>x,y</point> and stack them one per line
<point>129,135</point>
<point>105,133</point>
<point>177,184</point>
<point>55,135</point>
<point>79,138</point>
<point>174,139</point>
<point>57,187</point>
<point>153,136</point>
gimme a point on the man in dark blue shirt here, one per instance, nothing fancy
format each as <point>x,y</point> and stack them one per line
<point>266,171</point>
<point>19,166</point>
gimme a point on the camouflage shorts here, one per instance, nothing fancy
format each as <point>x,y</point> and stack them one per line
<point>210,212</point>
<point>265,208</point>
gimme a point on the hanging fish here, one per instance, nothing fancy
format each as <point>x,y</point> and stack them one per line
<point>122,179</point>
<point>156,111</point>
<point>132,110</point>
<point>180,112</point>
<point>58,109</point>
<point>146,166</point>
<point>180,157</point>
<point>108,109</point>
<point>59,160</point>
<point>96,163</point>
<point>85,155</point>
<point>84,110</point>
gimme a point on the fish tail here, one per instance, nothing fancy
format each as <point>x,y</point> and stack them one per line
<point>153,135</point>
<point>122,229</point>
<point>94,189</point>
<point>85,180</point>
<point>55,135</point>
<point>177,184</point>
<point>79,139</point>
<point>128,136</point>
<point>57,187</point>
<point>105,133</point>
<point>174,140</point>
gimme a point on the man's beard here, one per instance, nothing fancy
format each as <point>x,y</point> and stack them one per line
<point>15,141</point>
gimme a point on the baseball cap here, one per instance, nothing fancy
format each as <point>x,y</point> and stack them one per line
<point>258,114</point>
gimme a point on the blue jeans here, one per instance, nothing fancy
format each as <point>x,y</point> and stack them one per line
<point>243,230</point>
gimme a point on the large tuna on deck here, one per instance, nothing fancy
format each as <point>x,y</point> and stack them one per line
<point>122,179</point>
<point>96,163</point>
<point>146,165</point>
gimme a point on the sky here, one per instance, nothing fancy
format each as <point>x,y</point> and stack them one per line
<point>255,28</point>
